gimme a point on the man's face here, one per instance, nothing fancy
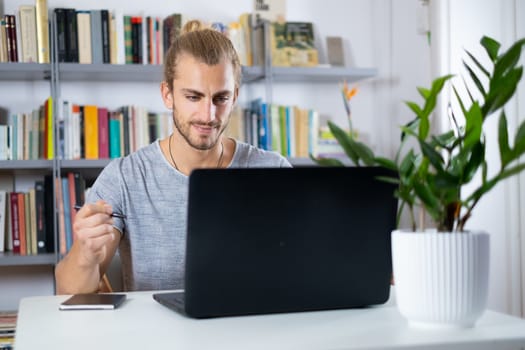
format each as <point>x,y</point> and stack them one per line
<point>202,100</point>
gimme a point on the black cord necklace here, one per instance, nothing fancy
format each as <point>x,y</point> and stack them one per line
<point>175,164</point>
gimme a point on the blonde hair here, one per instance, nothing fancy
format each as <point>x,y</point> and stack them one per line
<point>205,44</point>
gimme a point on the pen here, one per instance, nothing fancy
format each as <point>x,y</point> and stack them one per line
<point>115,215</point>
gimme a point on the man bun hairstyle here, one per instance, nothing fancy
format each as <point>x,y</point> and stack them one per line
<point>204,44</point>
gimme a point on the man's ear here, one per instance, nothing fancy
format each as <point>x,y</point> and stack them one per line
<point>167,95</point>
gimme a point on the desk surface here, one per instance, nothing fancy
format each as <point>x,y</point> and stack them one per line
<point>142,323</point>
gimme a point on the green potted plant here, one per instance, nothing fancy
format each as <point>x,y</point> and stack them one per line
<point>441,274</point>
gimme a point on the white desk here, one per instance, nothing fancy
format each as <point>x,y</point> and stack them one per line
<point>142,323</point>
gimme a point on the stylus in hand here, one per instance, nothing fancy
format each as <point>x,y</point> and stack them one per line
<point>115,215</point>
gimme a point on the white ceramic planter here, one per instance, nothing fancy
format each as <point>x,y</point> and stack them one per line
<point>441,279</point>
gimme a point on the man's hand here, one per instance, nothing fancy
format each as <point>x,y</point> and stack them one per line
<point>93,229</point>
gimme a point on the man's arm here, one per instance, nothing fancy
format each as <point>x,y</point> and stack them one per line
<point>94,246</point>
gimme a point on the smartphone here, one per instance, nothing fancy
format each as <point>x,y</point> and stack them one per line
<point>93,301</point>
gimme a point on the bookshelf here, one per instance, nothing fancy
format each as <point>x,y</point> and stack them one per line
<point>16,71</point>
<point>57,73</point>
<point>10,259</point>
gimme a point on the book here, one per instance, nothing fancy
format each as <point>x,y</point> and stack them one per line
<point>128,40</point>
<point>71,35</point>
<point>103,133</point>
<point>293,44</point>
<point>67,213</point>
<point>27,14</point>
<point>21,211</point>
<point>40,210</point>
<point>91,132</point>
<point>96,37</point>
<point>114,135</point>
<point>270,10</point>
<point>59,199</point>
<point>12,52</point>
<point>33,220</point>
<point>105,29</point>
<point>49,128</point>
<point>136,39</point>
<point>42,31</point>
<point>334,50</point>
<point>15,230</point>
<point>172,25</point>
<point>61,29</point>
<point>3,40</point>
<point>84,37</point>
<point>49,212</point>
<point>3,221</point>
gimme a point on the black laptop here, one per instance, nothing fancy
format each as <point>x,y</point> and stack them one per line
<point>285,240</point>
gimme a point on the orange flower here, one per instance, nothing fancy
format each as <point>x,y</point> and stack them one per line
<point>349,93</point>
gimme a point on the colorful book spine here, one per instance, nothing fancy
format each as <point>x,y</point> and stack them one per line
<point>42,31</point>
<point>91,132</point>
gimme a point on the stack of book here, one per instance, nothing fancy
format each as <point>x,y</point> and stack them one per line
<point>26,223</point>
<point>7,329</point>
<point>289,130</point>
<point>95,132</point>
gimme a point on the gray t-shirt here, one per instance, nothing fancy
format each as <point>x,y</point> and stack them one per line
<point>153,195</point>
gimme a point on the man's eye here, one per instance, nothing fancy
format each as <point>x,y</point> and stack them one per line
<point>221,99</point>
<point>192,98</point>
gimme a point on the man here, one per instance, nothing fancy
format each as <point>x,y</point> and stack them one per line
<point>201,84</point>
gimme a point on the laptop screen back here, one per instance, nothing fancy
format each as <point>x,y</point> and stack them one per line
<point>287,239</point>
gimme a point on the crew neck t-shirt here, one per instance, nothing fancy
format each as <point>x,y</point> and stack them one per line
<point>153,195</point>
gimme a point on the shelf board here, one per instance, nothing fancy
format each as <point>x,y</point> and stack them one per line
<point>109,72</point>
<point>321,74</point>
<point>129,72</point>
<point>84,163</point>
<point>10,259</point>
<point>26,164</point>
<point>18,71</point>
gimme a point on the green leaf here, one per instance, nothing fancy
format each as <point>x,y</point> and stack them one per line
<point>444,180</point>
<point>511,171</point>
<point>444,140</point>
<point>460,101</point>
<point>509,59</point>
<point>501,91</point>
<point>406,168</point>
<point>491,46</point>
<point>363,152</point>
<point>505,152</point>
<point>479,65</point>
<point>391,180</point>
<point>327,161</point>
<point>427,197</point>
<point>387,163</point>
<point>474,126</point>
<point>433,156</point>
<point>476,159</point>
<point>519,141</point>
<point>475,79</point>
<point>345,141</point>
<point>424,127</point>
<point>414,107</point>
<point>424,92</point>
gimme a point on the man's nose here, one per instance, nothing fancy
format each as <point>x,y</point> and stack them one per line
<point>208,110</point>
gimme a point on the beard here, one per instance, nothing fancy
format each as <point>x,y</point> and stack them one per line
<point>199,143</point>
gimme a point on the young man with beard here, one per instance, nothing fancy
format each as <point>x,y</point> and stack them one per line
<point>202,76</point>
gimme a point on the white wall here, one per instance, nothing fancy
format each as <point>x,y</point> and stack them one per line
<point>377,33</point>
<point>460,25</point>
